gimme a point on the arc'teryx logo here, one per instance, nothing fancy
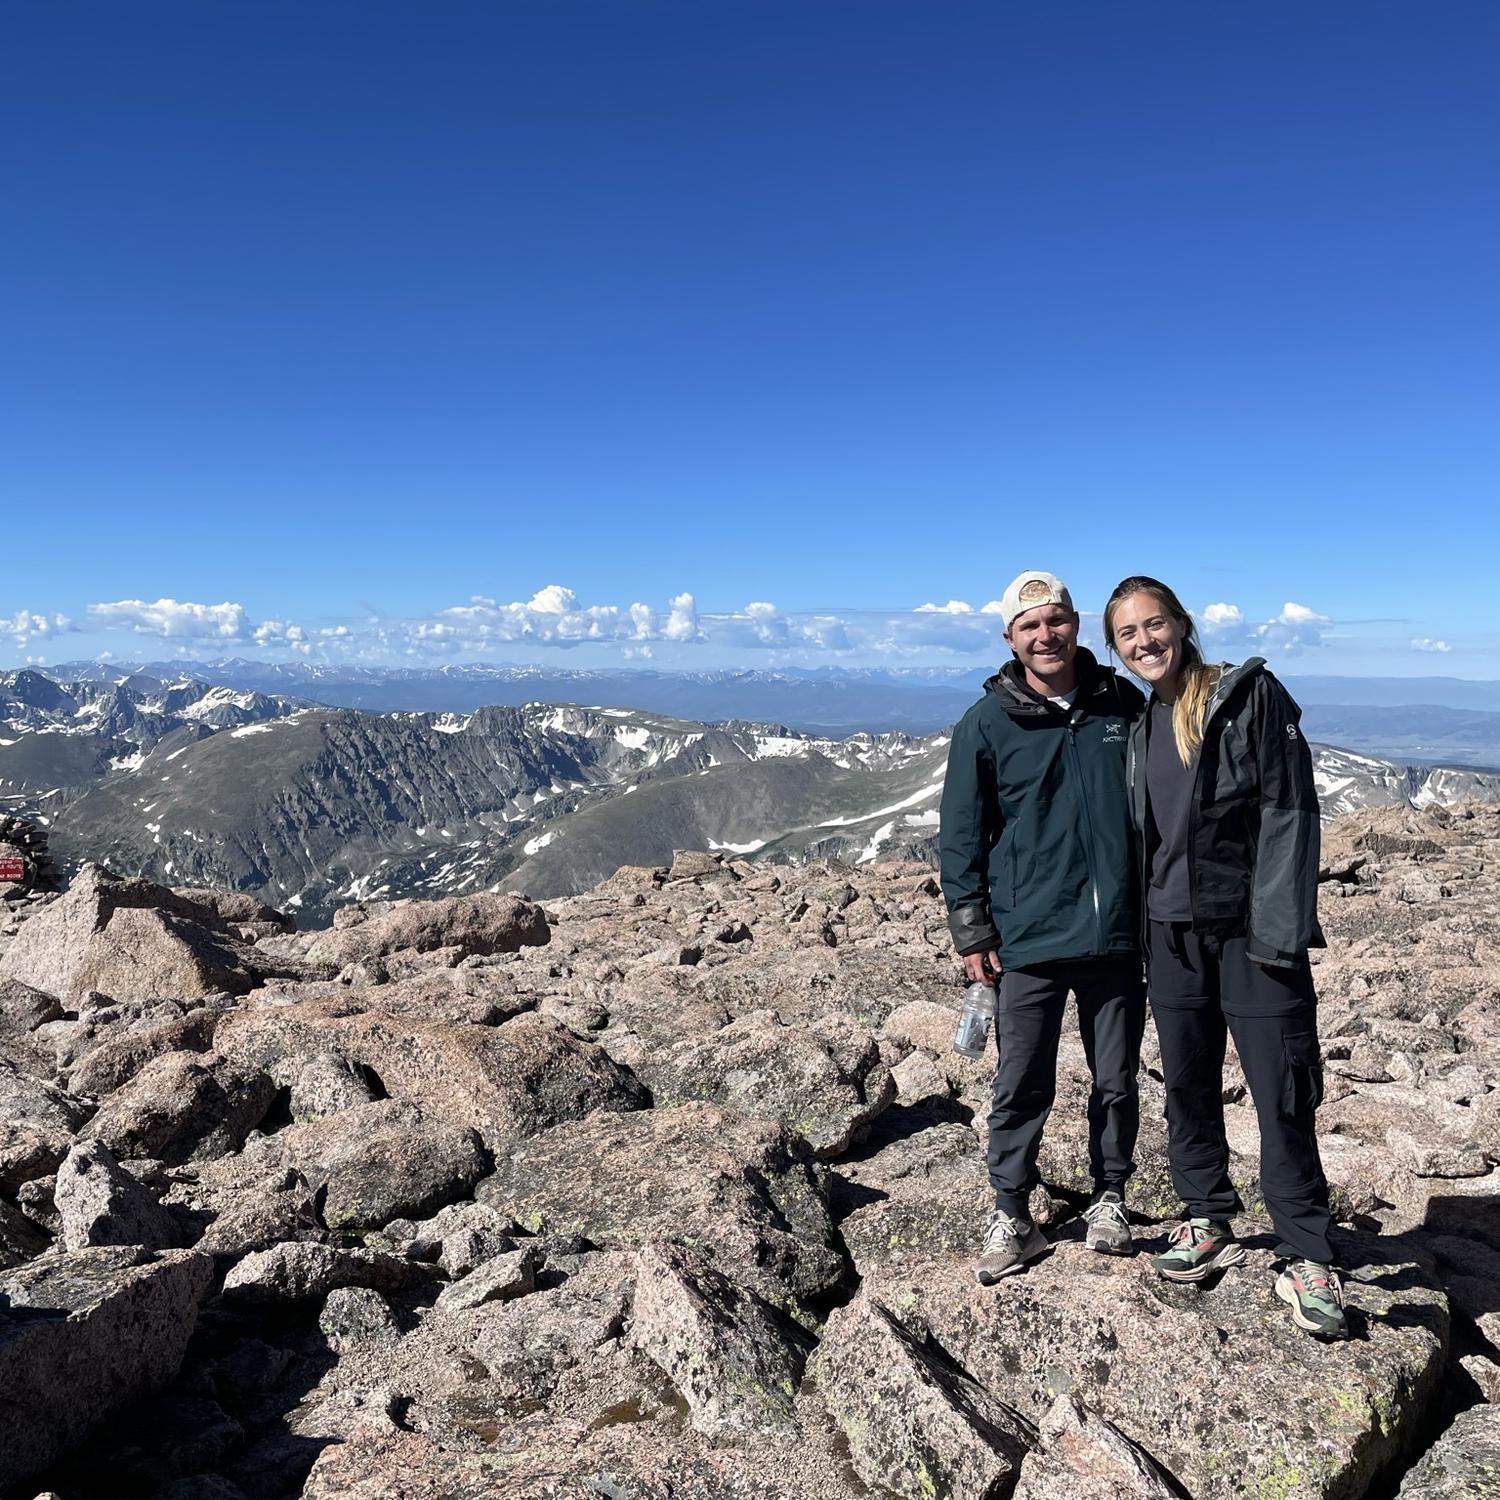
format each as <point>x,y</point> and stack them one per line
<point>1114,734</point>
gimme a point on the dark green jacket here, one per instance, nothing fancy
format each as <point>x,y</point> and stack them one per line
<point>1254,826</point>
<point>1037,855</point>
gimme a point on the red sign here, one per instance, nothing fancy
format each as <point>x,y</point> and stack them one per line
<point>12,871</point>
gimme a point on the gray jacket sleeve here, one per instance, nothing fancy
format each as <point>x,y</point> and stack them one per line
<point>1284,884</point>
<point>970,825</point>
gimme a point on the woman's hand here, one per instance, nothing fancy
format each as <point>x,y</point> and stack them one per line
<point>975,965</point>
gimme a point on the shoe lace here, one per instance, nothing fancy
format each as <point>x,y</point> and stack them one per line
<point>1191,1232</point>
<point>1106,1208</point>
<point>1003,1231</point>
<point>1315,1277</point>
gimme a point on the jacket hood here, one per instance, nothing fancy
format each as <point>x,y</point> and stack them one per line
<point>1230,678</point>
<point>1009,684</point>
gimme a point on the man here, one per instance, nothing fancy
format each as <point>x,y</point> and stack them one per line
<point>1041,887</point>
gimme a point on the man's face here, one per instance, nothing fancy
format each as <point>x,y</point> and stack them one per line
<point>1045,640</point>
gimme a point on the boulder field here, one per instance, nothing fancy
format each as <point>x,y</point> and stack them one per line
<point>671,1190</point>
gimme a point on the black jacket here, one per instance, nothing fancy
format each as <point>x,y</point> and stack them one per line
<point>1035,845</point>
<point>1253,826</point>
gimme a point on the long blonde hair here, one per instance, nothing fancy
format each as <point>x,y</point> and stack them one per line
<point>1196,679</point>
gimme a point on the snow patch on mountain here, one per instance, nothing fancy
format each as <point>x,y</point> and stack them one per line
<point>880,812</point>
<point>750,848</point>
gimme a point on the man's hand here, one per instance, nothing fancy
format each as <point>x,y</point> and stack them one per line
<point>976,964</point>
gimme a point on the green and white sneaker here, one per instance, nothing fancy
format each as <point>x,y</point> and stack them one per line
<point>1316,1298</point>
<point>1196,1249</point>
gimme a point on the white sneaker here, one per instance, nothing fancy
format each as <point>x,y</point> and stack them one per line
<point>1009,1243</point>
<point>1108,1229</point>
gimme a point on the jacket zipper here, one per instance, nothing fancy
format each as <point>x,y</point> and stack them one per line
<point>1215,703</point>
<point>1088,828</point>
<point>1139,822</point>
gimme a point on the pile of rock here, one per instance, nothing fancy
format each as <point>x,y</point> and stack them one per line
<point>672,1190</point>
<point>27,874</point>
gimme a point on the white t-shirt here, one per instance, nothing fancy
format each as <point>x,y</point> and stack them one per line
<point>1063,700</point>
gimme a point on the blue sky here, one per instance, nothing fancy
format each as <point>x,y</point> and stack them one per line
<point>711,332</point>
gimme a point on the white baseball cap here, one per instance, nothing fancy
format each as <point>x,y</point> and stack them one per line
<point>1031,590</point>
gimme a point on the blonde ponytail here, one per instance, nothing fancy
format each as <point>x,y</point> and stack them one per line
<point>1188,713</point>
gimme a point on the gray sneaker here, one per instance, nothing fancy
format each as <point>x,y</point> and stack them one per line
<point>1108,1229</point>
<point>1008,1244</point>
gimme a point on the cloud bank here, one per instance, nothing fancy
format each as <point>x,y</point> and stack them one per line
<point>172,620</point>
<point>24,627</point>
<point>1296,629</point>
<point>556,618</point>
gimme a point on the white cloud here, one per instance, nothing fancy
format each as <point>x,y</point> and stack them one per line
<point>281,633</point>
<point>952,607</point>
<point>1294,629</point>
<point>762,624</point>
<point>922,632</point>
<point>994,607</point>
<point>1426,643</point>
<point>1299,614</point>
<point>1218,617</point>
<point>825,633</point>
<point>682,623</point>
<point>174,620</point>
<point>25,626</point>
<point>553,600</point>
<point>552,616</point>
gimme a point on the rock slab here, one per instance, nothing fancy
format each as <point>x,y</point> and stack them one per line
<point>100,1203</point>
<point>130,940</point>
<point>1464,1464</point>
<point>723,1347</point>
<point>745,1191</point>
<point>916,1422</point>
<point>1083,1457</point>
<point>83,1335</point>
<point>1267,1410</point>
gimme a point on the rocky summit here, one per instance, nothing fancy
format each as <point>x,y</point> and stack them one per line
<point>671,1189</point>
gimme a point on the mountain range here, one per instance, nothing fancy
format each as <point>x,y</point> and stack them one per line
<point>200,784</point>
<point>1434,719</point>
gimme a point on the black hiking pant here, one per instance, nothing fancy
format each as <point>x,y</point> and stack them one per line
<point>1201,987</point>
<point>1028,1026</point>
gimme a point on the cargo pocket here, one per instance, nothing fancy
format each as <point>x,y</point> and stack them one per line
<point>1302,1084</point>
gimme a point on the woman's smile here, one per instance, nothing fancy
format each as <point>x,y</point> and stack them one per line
<point>1148,638</point>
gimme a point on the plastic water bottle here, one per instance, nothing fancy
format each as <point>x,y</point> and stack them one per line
<point>974,1024</point>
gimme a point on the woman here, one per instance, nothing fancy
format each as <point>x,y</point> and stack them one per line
<point>1223,800</point>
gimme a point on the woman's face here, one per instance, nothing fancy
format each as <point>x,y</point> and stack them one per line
<point>1147,638</point>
